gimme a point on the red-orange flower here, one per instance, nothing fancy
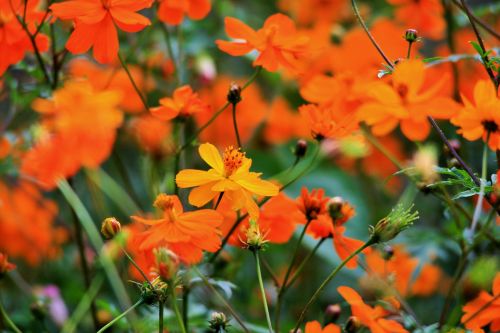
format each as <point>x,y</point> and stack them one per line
<point>187,234</point>
<point>484,309</point>
<point>184,103</point>
<point>424,15</point>
<point>278,42</point>
<point>173,11</point>
<point>327,121</point>
<point>96,22</point>
<point>5,265</point>
<point>14,41</point>
<point>152,134</point>
<point>482,118</point>
<point>315,327</point>
<point>371,317</point>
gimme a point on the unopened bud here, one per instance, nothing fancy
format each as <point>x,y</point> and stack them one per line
<point>110,227</point>
<point>334,206</point>
<point>352,325</point>
<point>255,240</point>
<point>332,313</point>
<point>390,226</point>
<point>411,35</point>
<point>167,263</point>
<point>300,148</point>
<point>218,322</point>
<point>234,94</point>
<point>387,252</point>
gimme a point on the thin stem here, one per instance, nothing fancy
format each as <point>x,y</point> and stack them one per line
<point>304,262</point>
<point>269,270</point>
<point>316,294</point>
<point>123,314</point>
<point>221,298</point>
<point>185,306</point>
<point>219,199</point>
<point>484,307</point>
<point>235,125</point>
<point>160,317</point>
<point>376,143</point>
<point>480,22</point>
<point>262,291</point>
<point>408,54</point>
<point>176,309</point>
<point>8,321</point>
<point>484,56</point>
<point>132,261</point>
<point>136,88</point>
<point>479,204</point>
<point>368,33</point>
<point>170,50</point>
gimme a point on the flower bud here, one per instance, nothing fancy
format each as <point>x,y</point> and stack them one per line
<point>411,35</point>
<point>234,94</point>
<point>390,226</point>
<point>166,262</point>
<point>352,325</point>
<point>110,227</point>
<point>300,148</point>
<point>332,313</point>
<point>5,265</point>
<point>255,240</point>
<point>218,322</point>
<point>340,211</point>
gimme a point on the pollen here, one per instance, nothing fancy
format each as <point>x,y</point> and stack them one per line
<point>165,203</point>
<point>233,159</point>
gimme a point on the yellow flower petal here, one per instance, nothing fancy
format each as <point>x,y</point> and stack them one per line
<point>210,154</point>
<point>200,196</point>
<point>252,183</point>
<point>192,178</point>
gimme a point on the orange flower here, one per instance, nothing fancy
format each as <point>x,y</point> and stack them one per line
<point>81,125</point>
<point>314,11</point>
<point>424,15</point>
<point>23,208</point>
<point>14,41</point>
<point>5,147</point>
<point>5,265</point>
<point>229,175</point>
<point>173,11</point>
<point>278,42</point>
<point>183,103</point>
<point>481,118</point>
<point>187,234</point>
<point>315,327</point>
<point>326,121</point>
<point>406,102</point>
<point>484,309</point>
<point>283,124</point>
<point>96,21</point>
<point>312,204</point>
<point>152,135</point>
<point>371,317</point>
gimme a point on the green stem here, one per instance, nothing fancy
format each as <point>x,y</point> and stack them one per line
<point>377,144</point>
<point>8,321</point>
<point>143,274</point>
<point>282,288</point>
<point>410,44</point>
<point>221,298</point>
<point>123,314</point>
<point>479,204</point>
<point>262,291</point>
<point>170,50</point>
<point>82,307</point>
<point>316,294</point>
<point>136,88</point>
<point>185,306</point>
<point>304,262</point>
<point>160,317</point>
<point>235,125</point>
<point>176,309</point>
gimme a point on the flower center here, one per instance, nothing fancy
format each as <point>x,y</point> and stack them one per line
<point>166,204</point>
<point>106,3</point>
<point>490,126</point>
<point>402,91</point>
<point>233,159</point>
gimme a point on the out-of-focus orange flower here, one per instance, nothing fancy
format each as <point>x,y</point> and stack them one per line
<point>4,147</point>
<point>327,121</point>
<point>152,134</point>
<point>14,41</point>
<point>96,22</point>
<point>173,11</point>
<point>23,208</point>
<point>484,309</point>
<point>187,234</point>
<point>481,119</point>
<point>405,102</point>
<point>112,78</point>
<point>249,112</point>
<point>229,175</point>
<point>282,123</point>
<point>315,327</point>
<point>424,15</point>
<point>277,220</point>
<point>399,270</point>
<point>184,103</point>
<point>371,317</point>
<point>278,42</point>
<point>82,126</point>
<point>315,11</point>
<point>5,265</point>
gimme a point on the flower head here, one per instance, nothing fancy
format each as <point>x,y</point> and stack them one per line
<point>184,103</point>
<point>230,174</point>
<point>278,42</point>
<point>312,204</point>
<point>186,234</point>
<point>110,227</point>
<point>484,309</point>
<point>315,327</point>
<point>327,121</point>
<point>399,219</point>
<point>173,11</point>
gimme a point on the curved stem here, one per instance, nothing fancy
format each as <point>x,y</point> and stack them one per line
<point>176,309</point>
<point>304,262</point>
<point>8,321</point>
<point>123,314</point>
<point>143,274</point>
<point>479,204</point>
<point>136,88</point>
<point>160,317</point>
<point>316,294</point>
<point>376,143</point>
<point>262,291</point>
<point>235,125</point>
<point>480,22</point>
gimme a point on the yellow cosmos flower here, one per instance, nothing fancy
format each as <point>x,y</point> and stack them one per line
<point>229,174</point>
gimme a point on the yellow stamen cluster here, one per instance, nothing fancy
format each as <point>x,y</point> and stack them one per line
<point>165,203</point>
<point>233,159</point>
